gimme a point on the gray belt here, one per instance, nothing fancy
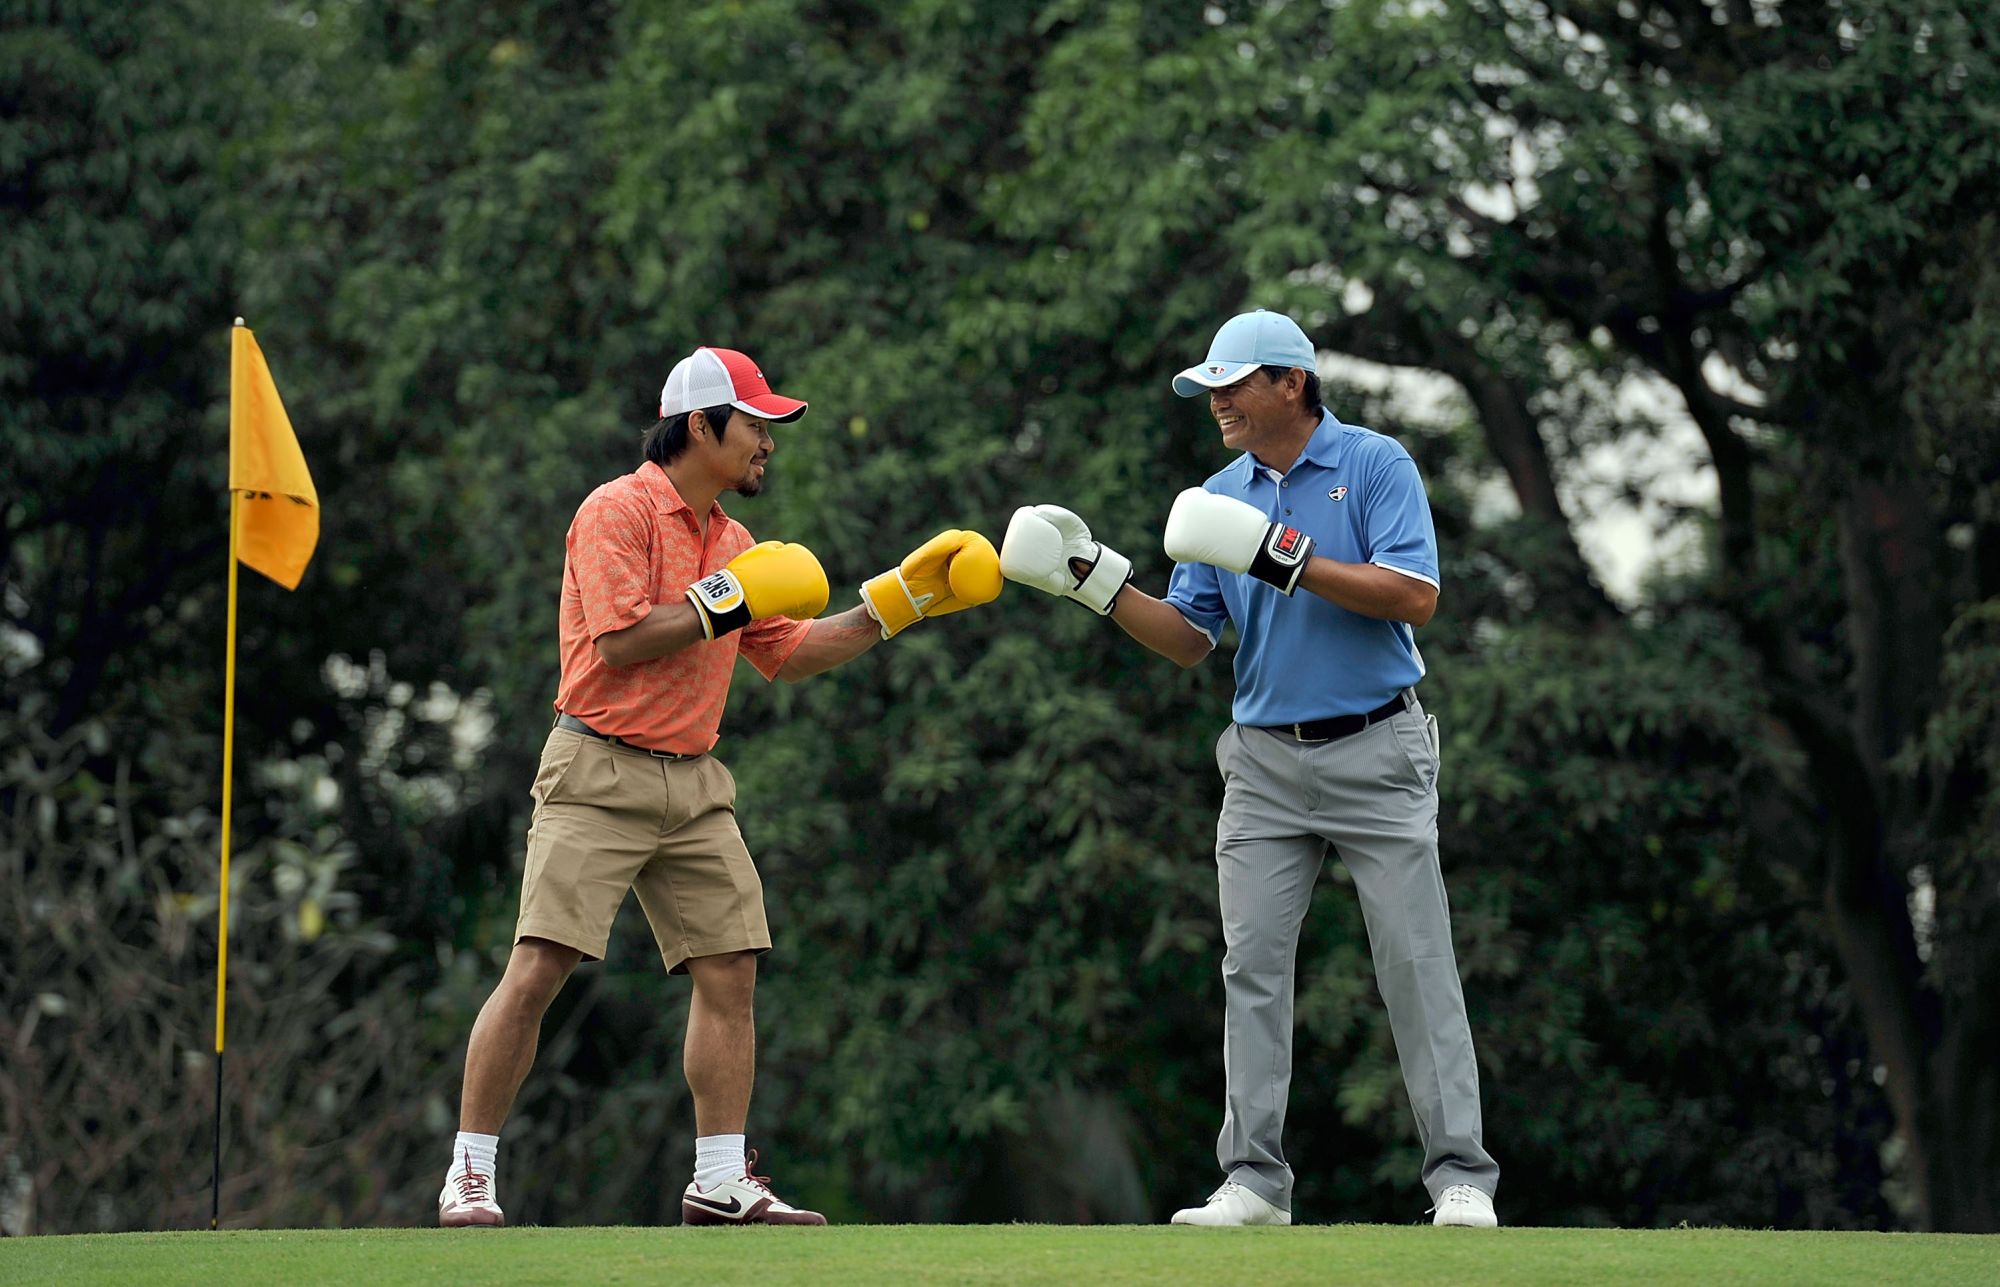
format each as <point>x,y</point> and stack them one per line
<point>575,725</point>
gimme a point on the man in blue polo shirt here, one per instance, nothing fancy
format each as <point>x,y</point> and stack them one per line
<point>1316,542</point>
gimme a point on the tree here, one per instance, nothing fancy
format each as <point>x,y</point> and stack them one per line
<point>1781,223</point>
<point>980,238</point>
<point>1535,199</point>
<point>114,321</point>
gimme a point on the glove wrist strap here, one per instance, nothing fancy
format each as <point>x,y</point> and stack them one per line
<point>1099,589</point>
<point>888,599</point>
<point>720,604</point>
<point>1282,556</point>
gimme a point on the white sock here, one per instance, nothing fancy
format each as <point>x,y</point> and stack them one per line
<point>473,1152</point>
<point>717,1158</point>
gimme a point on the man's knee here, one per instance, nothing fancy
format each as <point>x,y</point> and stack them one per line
<point>728,980</point>
<point>538,969</point>
<point>1256,978</point>
<point>1251,948</point>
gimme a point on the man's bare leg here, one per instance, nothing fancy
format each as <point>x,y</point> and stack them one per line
<point>497,1059</point>
<point>720,1057</point>
<point>508,1030</point>
<point>721,1062</point>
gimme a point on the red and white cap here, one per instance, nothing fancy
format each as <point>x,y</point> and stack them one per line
<point>711,377</point>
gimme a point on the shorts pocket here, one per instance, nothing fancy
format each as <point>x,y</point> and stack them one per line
<point>557,760</point>
<point>722,783</point>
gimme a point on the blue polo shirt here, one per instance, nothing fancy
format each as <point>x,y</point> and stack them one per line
<point>1358,495</point>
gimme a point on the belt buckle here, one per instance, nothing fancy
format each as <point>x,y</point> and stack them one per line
<point>1299,735</point>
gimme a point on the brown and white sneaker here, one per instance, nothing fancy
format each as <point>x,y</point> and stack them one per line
<point>468,1201</point>
<point>746,1200</point>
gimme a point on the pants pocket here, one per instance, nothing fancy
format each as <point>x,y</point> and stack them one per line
<point>1416,740</point>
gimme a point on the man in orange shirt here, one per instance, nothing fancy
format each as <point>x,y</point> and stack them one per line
<point>661,592</point>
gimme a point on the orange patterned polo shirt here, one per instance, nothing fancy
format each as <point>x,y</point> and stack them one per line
<point>634,543</point>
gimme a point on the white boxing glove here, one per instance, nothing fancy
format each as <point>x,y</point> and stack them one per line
<point>1206,528</point>
<point>1040,542</point>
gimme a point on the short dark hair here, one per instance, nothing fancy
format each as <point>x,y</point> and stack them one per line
<point>668,438</point>
<point>1277,373</point>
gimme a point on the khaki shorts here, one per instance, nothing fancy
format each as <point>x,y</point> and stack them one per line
<point>608,819</point>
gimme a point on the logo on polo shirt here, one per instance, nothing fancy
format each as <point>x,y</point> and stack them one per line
<point>1338,493</point>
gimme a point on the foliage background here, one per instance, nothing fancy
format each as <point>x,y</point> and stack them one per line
<point>1720,848</point>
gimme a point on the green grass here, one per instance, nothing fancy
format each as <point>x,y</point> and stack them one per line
<point>1004,1254</point>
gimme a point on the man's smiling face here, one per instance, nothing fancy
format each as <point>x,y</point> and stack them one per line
<point>1252,410</point>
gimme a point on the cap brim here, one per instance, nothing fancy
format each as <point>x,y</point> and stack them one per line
<point>772,406</point>
<point>1211,375</point>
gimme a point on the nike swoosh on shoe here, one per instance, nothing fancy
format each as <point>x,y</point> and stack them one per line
<point>731,1208</point>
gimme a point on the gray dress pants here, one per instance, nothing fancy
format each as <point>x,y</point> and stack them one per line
<point>1373,797</point>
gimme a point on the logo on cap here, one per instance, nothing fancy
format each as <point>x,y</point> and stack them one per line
<point>1216,368</point>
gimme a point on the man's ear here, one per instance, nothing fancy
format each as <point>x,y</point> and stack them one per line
<point>697,424</point>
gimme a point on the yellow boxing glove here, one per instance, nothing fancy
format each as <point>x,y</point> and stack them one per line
<point>768,580</point>
<point>952,571</point>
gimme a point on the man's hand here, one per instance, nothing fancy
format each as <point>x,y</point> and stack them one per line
<point>1221,530</point>
<point>1050,548</point>
<point>949,573</point>
<point>772,579</point>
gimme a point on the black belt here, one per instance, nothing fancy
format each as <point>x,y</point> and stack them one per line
<point>1327,730</point>
<point>575,725</point>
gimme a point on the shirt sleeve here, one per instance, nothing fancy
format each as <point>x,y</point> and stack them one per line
<point>1397,526</point>
<point>610,549</point>
<point>1196,591</point>
<point>769,643</point>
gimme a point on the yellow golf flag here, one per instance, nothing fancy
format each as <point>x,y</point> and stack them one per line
<point>280,506</point>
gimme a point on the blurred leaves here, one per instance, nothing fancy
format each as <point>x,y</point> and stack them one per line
<point>979,237</point>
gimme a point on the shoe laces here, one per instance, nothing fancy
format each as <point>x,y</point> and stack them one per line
<point>1229,1189</point>
<point>750,1174</point>
<point>473,1186</point>
<point>1454,1194</point>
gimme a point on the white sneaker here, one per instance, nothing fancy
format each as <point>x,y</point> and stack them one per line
<point>1232,1204</point>
<point>468,1200</point>
<point>1463,1205</point>
<point>747,1199</point>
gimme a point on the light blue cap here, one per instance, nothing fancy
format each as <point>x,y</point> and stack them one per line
<point>1245,342</point>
